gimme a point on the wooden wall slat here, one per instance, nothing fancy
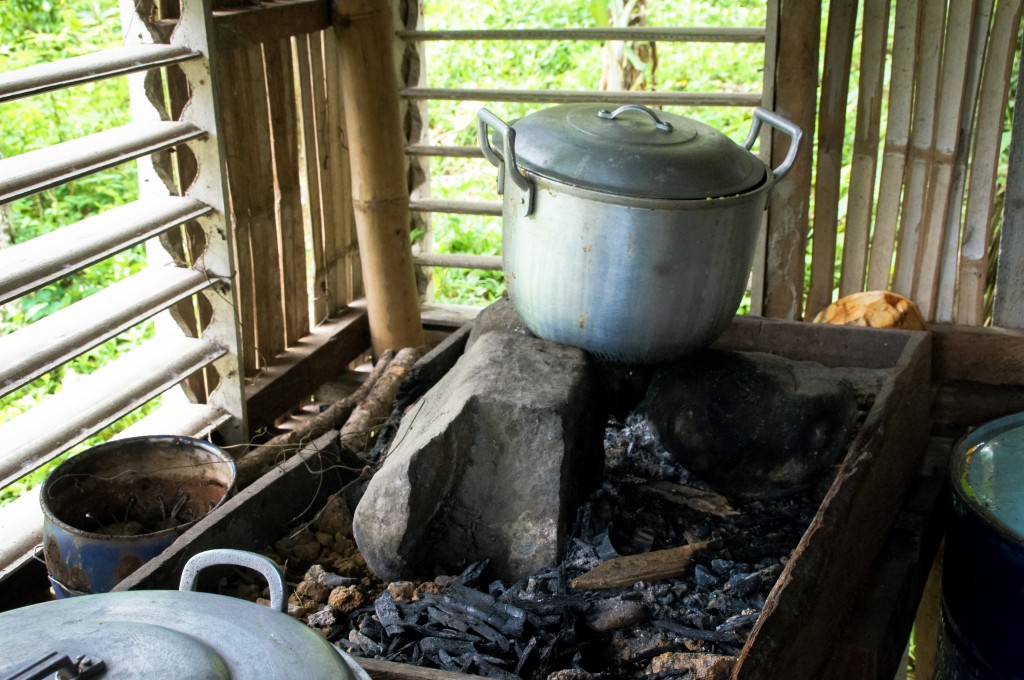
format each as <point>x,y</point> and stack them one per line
<point>949,267</point>
<point>285,138</point>
<point>861,197</point>
<point>977,232</point>
<point>1008,306</point>
<point>835,86</point>
<point>897,138</point>
<point>922,137</point>
<point>949,109</point>
<point>796,80</point>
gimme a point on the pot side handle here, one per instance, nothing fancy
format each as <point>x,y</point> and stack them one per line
<point>238,558</point>
<point>486,119</point>
<point>762,115</point>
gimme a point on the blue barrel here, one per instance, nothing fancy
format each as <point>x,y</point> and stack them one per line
<point>111,508</point>
<point>983,569</point>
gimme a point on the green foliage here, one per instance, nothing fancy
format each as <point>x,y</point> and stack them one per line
<point>32,32</point>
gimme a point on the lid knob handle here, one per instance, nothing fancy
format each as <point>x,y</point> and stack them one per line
<point>658,122</point>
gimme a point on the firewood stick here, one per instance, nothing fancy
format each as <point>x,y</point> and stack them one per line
<point>375,407</point>
<point>625,571</point>
<point>255,463</point>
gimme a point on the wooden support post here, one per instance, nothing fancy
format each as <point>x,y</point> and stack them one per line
<point>1008,306</point>
<point>380,194</point>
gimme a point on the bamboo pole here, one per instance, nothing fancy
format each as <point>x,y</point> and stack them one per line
<point>897,137</point>
<point>865,146</point>
<point>380,196</point>
<point>981,191</point>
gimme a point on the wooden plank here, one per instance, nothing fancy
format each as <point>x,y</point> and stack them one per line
<point>861,197</point>
<point>54,340</point>
<point>835,86</point>
<point>45,168</point>
<point>255,23</point>
<point>922,138</point>
<point>977,235</point>
<point>487,262</point>
<point>35,80</point>
<point>702,34</point>
<point>388,670</point>
<point>490,208</point>
<point>949,109</point>
<point>447,316</point>
<point>380,193</point>
<point>744,99</point>
<point>443,151</point>
<point>824,571</point>
<point>962,405</point>
<point>297,371</point>
<point>946,299</point>
<point>897,138</point>
<point>33,264</point>
<point>86,407</point>
<point>187,420</point>
<point>796,83</point>
<point>1008,306</point>
<point>285,139</point>
<point>987,355</point>
<point>310,96</point>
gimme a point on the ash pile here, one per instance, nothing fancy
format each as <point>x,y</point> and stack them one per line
<point>663,578</point>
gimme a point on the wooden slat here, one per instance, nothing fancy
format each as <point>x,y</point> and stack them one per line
<point>55,75</point>
<point>725,34</point>
<point>1008,306</point>
<point>949,109</point>
<point>485,262</point>
<point>897,137</point>
<point>92,403</point>
<point>263,22</point>
<point>285,138</point>
<point>744,99</point>
<point>298,371</point>
<point>310,94</point>
<point>186,420</point>
<point>447,316</point>
<point>861,198</point>
<point>21,529</point>
<point>985,164</point>
<point>835,85</point>
<point>922,138</point>
<point>796,81</point>
<point>444,151</point>
<point>491,208</point>
<point>950,266</point>
<point>33,264</point>
<point>40,347</point>
<point>46,168</point>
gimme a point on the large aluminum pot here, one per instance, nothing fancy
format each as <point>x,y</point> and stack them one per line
<point>171,634</point>
<point>628,233</point>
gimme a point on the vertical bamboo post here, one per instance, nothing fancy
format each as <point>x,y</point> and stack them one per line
<point>380,193</point>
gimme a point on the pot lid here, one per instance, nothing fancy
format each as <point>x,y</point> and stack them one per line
<point>634,151</point>
<point>171,634</point>
<point>988,472</point>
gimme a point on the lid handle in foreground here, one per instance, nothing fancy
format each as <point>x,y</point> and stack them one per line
<point>659,124</point>
<point>487,119</point>
<point>238,558</point>
<point>762,115</point>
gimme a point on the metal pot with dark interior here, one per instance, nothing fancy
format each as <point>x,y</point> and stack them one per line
<point>629,233</point>
<point>170,634</point>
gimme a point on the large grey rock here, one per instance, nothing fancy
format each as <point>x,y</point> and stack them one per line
<point>750,423</point>
<point>489,464</point>
<point>498,316</point>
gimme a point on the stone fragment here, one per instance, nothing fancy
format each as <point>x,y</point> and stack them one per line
<point>490,464</point>
<point>752,424</point>
<point>335,517</point>
<point>346,598</point>
<point>312,590</point>
<point>401,590</point>
<point>499,316</point>
<point>698,666</point>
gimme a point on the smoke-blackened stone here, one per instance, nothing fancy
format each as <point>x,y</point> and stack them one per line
<point>750,423</point>
<point>490,464</point>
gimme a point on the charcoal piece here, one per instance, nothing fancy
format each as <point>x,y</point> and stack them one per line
<point>491,635</point>
<point>471,574</point>
<point>447,619</point>
<point>431,646</point>
<point>704,578</point>
<point>696,633</point>
<point>523,652</point>
<point>324,619</point>
<point>612,613</point>
<point>739,621</point>
<point>752,424</point>
<point>489,670</point>
<point>387,614</point>
<point>367,647</point>
<point>722,567</point>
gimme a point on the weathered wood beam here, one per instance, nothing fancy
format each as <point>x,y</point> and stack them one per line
<point>269,21</point>
<point>744,99</point>
<point>703,34</point>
